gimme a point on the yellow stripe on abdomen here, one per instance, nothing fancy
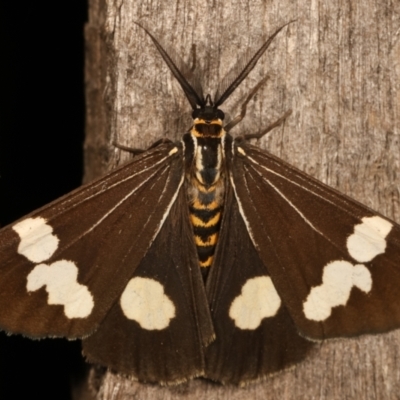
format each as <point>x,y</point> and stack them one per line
<point>206,220</point>
<point>196,221</point>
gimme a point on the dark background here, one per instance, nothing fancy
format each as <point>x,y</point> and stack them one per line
<point>41,138</point>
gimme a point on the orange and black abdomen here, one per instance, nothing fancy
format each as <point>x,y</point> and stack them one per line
<point>206,187</point>
<point>206,221</point>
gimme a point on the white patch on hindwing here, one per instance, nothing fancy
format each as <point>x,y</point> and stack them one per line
<point>37,240</point>
<point>258,300</point>
<point>60,280</point>
<point>339,277</point>
<point>145,302</point>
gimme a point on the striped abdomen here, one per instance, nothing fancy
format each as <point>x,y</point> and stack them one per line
<point>205,215</point>
<point>206,195</point>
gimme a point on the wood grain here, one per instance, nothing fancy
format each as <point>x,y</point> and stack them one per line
<point>337,67</point>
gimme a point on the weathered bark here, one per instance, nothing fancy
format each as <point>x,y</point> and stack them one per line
<point>337,67</point>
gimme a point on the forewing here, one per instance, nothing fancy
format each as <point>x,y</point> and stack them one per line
<point>255,335</point>
<point>334,261</point>
<point>160,326</point>
<point>64,265</point>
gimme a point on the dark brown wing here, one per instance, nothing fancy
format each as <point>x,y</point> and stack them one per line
<point>65,265</point>
<point>247,346</point>
<point>334,262</point>
<point>168,346</point>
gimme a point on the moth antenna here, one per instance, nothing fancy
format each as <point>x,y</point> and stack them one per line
<point>242,68</point>
<point>243,110</point>
<point>194,59</point>
<point>180,70</point>
<point>269,128</point>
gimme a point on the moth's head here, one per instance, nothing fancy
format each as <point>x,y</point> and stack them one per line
<point>207,119</point>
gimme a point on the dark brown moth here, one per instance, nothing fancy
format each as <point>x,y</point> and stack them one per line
<point>204,257</point>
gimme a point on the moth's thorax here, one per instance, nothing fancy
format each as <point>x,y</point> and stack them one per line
<point>207,159</point>
<point>205,177</point>
<point>203,128</point>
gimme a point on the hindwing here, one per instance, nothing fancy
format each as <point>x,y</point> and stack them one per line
<point>160,326</point>
<point>255,334</point>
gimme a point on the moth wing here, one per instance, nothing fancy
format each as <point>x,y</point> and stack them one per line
<point>161,324</point>
<point>334,262</point>
<point>64,265</point>
<point>255,335</point>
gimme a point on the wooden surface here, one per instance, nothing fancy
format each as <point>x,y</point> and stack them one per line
<point>337,67</point>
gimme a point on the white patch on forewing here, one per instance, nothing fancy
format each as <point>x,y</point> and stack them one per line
<point>145,302</point>
<point>338,279</point>
<point>37,240</point>
<point>258,300</point>
<point>60,280</point>
<point>369,238</point>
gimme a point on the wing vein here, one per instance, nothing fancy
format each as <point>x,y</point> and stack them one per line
<point>308,181</point>
<point>82,235</point>
<point>119,182</point>
<point>287,201</point>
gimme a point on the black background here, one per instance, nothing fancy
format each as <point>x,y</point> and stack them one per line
<point>41,139</point>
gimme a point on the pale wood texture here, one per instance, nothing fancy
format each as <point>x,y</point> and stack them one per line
<point>337,67</point>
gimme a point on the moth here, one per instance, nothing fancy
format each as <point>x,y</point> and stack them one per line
<point>205,257</point>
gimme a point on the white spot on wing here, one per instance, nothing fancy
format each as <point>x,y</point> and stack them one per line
<point>337,281</point>
<point>362,278</point>
<point>37,240</point>
<point>145,302</point>
<point>241,151</point>
<point>60,280</point>
<point>258,300</point>
<point>339,277</point>
<point>368,239</point>
<point>173,151</point>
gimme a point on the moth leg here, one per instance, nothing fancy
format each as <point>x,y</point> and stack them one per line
<point>136,151</point>
<point>242,114</point>
<point>127,148</point>
<point>268,128</point>
<point>158,142</point>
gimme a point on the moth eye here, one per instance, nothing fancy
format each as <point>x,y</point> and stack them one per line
<point>220,115</point>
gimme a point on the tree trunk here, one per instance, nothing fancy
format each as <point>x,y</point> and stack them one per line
<point>337,67</point>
